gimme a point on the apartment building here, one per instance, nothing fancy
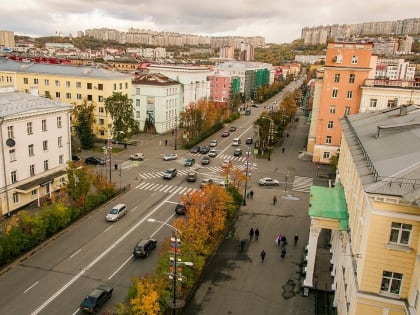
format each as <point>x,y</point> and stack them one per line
<point>7,39</point>
<point>69,84</point>
<point>347,66</point>
<point>35,147</point>
<point>223,86</point>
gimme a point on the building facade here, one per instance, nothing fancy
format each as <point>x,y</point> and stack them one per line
<point>35,147</point>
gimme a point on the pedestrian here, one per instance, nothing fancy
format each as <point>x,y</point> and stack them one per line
<point>247,195</point>
<point>242,245</point>
<point>166,142</point>
<point>262,256</point>
<point>173,132</point>
<point>282,150</point>
<point>257,233</point>
<point>274,199</point>
<point>251,193</point>
<point>251,234</point>
<point>287,135</point>
<point>283,252</point>
<point>284,240</point>
<point>278,239</point>
<point>296,238</point>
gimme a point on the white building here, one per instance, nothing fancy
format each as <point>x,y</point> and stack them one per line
<point>35,147</point>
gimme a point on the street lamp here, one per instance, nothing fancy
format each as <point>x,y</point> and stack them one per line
<point>176,129</point>
<point>248,153</point>
<point>177,243</point>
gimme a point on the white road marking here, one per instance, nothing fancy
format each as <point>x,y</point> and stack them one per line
<point>34,284</point>
<point>75,253</point>
<point>119,268</point>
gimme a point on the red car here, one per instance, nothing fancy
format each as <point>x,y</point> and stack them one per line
<point>225,134</point>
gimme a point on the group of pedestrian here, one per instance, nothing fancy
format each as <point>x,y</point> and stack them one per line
<point>250,194</point>
<point>253,232</point>
<point>281,241</point>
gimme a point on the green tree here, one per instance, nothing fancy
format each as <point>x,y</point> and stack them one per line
<point>79,183</point>
<point>120,107</point>
<point>83,118</point>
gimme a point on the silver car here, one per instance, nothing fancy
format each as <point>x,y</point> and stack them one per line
<point>170,156</point>
<point>116,212</point>
<point>267,181</point>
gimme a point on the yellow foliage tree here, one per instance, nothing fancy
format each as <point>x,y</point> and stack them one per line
<point>146,301</point>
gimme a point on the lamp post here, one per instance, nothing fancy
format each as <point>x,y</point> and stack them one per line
<point>176,128</point>
<point>177,242</point>
<point>246,175</point>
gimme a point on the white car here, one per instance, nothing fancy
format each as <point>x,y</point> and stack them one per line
<point>137,157</point>
<point>116,212</point>
<point>267,181</point>
<point>213,143</point>
<point>226,164</point>
<point>212,153</point>
<point>170,156</point>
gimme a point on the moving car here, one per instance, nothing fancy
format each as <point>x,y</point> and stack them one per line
<point>93,160</point>
<point>96,298</point>
<point>180,208</point>
<point>144,247</point>
<point>267,181</point>
<point>116,212</point>
<point>236,141</point>
<point>205,182</point>
<point>189,162</point>
<point>212,153</point>
<point>213,143</point>
<point>237,152</point>
<point>205,160</point>
<point>232,128</point>
<point>204,150</point>
<point>169,173</point>
<point>195,149</point>
<point>226,163</point>
<point>137,157</point>
<point>191,177</point>
<point>248,141</point>
<point>225,134</point>
<point>170,156</point>
<point>247,112</point>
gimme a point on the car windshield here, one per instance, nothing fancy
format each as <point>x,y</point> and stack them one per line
<point>113,211</point>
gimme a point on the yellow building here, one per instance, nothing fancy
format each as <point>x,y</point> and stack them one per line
<point>376,259</point>
<point>68,84</point>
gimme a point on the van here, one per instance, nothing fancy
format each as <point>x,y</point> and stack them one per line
<point>116,212</point>
<point>236,141</point>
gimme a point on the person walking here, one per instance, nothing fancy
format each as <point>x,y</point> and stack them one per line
<point>257,234</point>
<point>251,234</point>
<point>282,150</point>
<point>242,245</point>
<point>296,238</point>
<point>262,254</point>
<point>283,251</point>
<point>274,199</point>
<point>251,193</point>
<point>166,142</point>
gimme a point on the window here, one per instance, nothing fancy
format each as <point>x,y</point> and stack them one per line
<point>332,109</point>
<point>57,94</point>
<point>36,81</point>
<point>13,176</point>
<point>352,77</point>
<point>89,86</point>
<point>137,102</point>
<point>59,122</point>
<point>25,81</point>
<point>34,192</point>
<point>391,282</point>
<point>46,82</point>
<point>349,94</point>
<point>89,97</point>
<point>330,124</point>
<point>45,145</point>
<point>101,109</point>
<point>68,84</point>
<point>328,140</point>
<point>60,141</point>
<point>31,150</point>
<point>15,197</point>
<point>78,85</point>
<point>373,102</point>
<point>347,110</point>
<point>68,96</point>
<point>44,125</point>
<point>78,96</point>
<point>354,59</point>
<point>137,91</point>
<point>121,86</point>
<point>12,155</point>
<point>100,87</point>
<point>32,169</point>
<point>392,103</point>
<point>101,121</point>
<point>334,93</point>
<point>45,165</point>
<point>115,86</point>
<point>326,155</point>
<point>100,98</point>
<point>29,128</point>
<point>57,83</point>
<point>126,85</point>
<point>337,77</point>
<point>61,159</point>
<point>137,114</point>
<point>400,233</point>
<point>10,133</point>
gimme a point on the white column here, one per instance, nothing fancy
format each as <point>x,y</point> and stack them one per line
<point>312,245</point>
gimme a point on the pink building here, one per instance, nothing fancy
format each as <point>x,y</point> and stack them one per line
<point>220,87</point>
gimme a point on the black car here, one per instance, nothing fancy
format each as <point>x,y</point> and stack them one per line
<point>144,247</point>
<point>205,160</point>
<point>180,208</point>
<point>237,152</point>
<point>192,177</point>
<point>195,149</point>
<point>247,112</point>
<point>169,173</point>
<point>205,149</point>
<point>96,298</point>
<point>232,128</point>
<point>248,141</point>
<point>93,160</point>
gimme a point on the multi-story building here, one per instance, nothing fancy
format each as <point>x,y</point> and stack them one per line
<point>7,39</point>
<point>247,52</point>
<point>35,147</point>
<point>223,86</point>
<point>71,85</point>
<point>157,102</point>
<point>375,217</point>
<point>347,66</point>
<point>227,52</point>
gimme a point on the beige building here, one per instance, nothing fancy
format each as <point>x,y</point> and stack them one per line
<point>7,39</point>
<point>376,250</point>
<point>68,84</point>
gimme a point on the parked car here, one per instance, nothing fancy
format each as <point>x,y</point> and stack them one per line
<point>248,141</point>
<point>254,105</point>
<point>205,182</point>
<point>191,177</point>
<point>93,160</point>
<point>137,157</point>
<point>212,153</point>
<point>204,150</point>
<point>189,162</point>
<point>116,212</point>
<point>170,156</point>
<point>205,160</point>
<point>232,128</point>
<point>96,298</point>
<point>237,152</point>
<point>225,134</point>
<point>195,149</point>
<point>267,181</point>
<point>213,143</point>
<point>180,208</point>
<point>247,112</point>
<point>169,173</point>
<point>75,158</point>
<point>144,247</point>
<point>226,164</point>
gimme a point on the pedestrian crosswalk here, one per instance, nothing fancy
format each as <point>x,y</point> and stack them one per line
<point>225,157</point>
<point>180,190</point>
<point>302,184</point>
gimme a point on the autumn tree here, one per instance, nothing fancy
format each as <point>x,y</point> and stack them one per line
<point>79,183</point>
<point>146,300</point>
<point>82,119</point>
<point>120,107</point>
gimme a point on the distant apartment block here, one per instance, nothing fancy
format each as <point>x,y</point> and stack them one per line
<point>227,52</point>
<point>7,39</point>
<point>309,59</point>
<point>247,52</point>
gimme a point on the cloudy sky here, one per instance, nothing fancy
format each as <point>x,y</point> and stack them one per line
<point>278,21</point>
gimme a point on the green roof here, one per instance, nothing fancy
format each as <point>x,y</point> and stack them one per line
<point>329,203</point>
